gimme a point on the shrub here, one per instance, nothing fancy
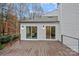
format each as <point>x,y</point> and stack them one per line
<point>1,46</point>
<point>5,38</point>
<point>14,36</point>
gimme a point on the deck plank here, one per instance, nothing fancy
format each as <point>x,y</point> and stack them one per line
<point>37,48</point>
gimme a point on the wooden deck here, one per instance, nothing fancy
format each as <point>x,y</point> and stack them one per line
<point>37,48</point>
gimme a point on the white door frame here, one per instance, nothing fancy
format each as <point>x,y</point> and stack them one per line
<point>41,33</point>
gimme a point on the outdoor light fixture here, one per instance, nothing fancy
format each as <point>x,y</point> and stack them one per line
<point>22,27</point>
<point>43,27</point>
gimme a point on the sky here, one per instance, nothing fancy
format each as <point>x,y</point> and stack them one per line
<point>47,7</point>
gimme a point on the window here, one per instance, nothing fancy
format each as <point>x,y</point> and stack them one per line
<point>31,32</point>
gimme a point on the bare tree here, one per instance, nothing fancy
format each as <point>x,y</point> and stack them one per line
<point>37,10</point>
<point>23,10</point>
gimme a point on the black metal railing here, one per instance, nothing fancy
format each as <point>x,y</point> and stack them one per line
<point>62,38</point>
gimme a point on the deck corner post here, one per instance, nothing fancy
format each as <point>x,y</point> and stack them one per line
<point>62,39</point>
<point>78,47</point>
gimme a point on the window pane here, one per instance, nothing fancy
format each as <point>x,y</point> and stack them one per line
<point>34,32</point>
<point>28,32</point>
<point>47,32</point>
<point>52,32</point>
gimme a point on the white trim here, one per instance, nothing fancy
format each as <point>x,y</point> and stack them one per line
<point>41,40</point>
<point>39,35</point>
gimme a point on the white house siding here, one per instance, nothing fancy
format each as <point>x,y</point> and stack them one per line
<point>69,19</point>
<point>41,33</point>
<point>42,19</point>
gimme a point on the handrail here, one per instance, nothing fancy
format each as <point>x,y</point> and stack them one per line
<point>72,38</point>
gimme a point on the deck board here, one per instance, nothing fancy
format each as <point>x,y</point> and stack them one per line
<point>38,48</point>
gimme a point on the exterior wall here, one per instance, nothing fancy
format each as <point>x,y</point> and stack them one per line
<point>69,20</point>
<point>43,18</point>
<point>41,33</point>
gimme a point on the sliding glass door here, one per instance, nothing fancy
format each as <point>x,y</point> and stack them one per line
<point>47,32</point>
<point>28,32</point>
<point>50,32</point>
<point>31,32</point>
<point>34,32</point>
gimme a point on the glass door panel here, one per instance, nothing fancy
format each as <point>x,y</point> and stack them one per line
<point>52,32</point>
<point>28,32</point>
<point>47,32</point>
<point>34,32</point>
<point>31,32</point>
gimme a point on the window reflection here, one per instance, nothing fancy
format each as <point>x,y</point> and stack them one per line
<point>50,32</point>
<point>31,32</point>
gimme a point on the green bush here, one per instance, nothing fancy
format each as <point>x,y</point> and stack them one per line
<point>14,36</point>
<point>1,46</point>
<point>5,38</point>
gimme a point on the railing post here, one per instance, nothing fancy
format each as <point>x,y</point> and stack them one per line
<point>61,38</point>
<point>78,47</point>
